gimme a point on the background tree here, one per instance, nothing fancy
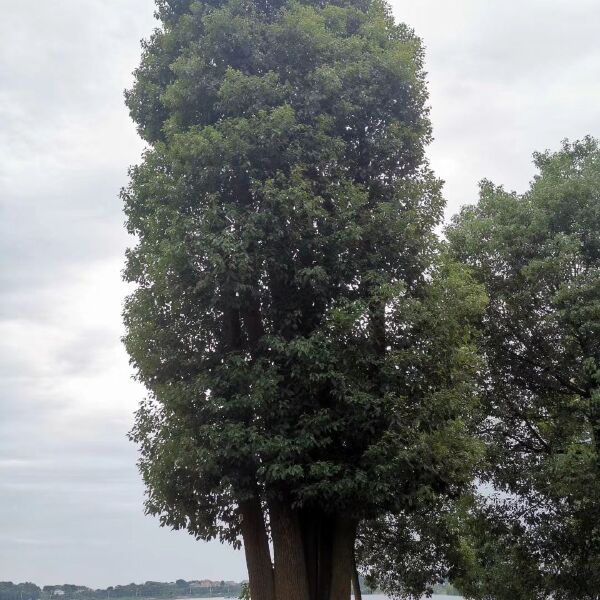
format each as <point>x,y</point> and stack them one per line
<point>538,254</point>
<point>411,553</point>
<point>245,592</point>
<point>308,352</point>
<point>19,591</point>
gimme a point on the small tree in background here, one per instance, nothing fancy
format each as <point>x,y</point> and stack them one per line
<point>245,592</point>
<point>307,348</point>
<point>538,254</point>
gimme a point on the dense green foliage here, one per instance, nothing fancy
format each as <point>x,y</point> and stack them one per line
<point>245,592</point>
<point>415,552</point>
<point>283,321</point>
<point>299,332</point>
<point>538,255</point>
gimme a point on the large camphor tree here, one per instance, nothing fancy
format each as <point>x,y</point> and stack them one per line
<point>538,254</point>
<point>307,348</point>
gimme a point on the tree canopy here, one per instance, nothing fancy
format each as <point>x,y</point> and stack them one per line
<point>307,347</point>
<point>538,255</point>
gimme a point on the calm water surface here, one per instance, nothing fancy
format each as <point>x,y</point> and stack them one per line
<point>434,597</point>
<point>379,597</point>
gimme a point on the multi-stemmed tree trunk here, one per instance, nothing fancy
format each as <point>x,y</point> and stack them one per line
<point>313,558</point>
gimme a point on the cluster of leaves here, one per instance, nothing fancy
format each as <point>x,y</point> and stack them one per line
<point>294,321</point>
<point>538,255</point>
<point>245,592</point>
<point>412,553</point>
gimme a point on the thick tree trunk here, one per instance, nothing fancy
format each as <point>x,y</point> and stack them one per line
<point>325,558</point>
<point>343,559</point>
<point>256,547</point>
<point>309,526</point>
<point>291,579</point>
<point>317,536</point>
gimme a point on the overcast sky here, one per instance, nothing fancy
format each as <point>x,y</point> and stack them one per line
<point>506,79</point>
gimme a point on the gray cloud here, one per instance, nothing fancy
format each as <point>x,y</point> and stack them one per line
<point>70,496</point>
<point>505,80</point>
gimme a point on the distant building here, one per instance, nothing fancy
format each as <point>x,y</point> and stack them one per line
<point>207,583</point>
<point>204,584</point>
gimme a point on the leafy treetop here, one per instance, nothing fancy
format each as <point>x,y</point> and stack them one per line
<point>538,255</point>
<point>299,331</point>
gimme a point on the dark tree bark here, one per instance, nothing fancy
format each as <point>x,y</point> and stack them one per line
<point>317,536</point>
<point>325,558</point>
<point>291,578</point>
<point>310,535</point>
<point>256,547</point>
<point>343,559</point>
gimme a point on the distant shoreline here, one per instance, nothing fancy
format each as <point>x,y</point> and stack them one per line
<point>154,590</point>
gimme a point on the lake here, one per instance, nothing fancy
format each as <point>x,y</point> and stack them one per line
<point>376,597</point>
<point>434,597</point>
